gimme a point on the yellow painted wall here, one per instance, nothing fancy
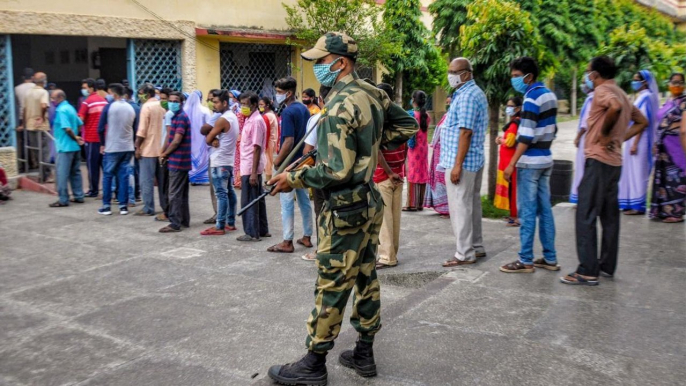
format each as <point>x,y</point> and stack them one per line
<point>258,14</point>
<point>207,64</point>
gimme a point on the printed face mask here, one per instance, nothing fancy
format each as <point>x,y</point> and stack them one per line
<point>324,74</point>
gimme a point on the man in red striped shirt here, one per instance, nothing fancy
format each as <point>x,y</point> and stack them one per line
<point>89,113</point>
<point>389,177</point>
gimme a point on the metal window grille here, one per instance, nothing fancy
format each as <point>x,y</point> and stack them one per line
<point>254,67</point>
<point>365,73</point>
<point>7,113</point>
<point>155,61</point>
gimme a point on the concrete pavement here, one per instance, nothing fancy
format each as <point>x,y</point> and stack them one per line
<point>106,300</point>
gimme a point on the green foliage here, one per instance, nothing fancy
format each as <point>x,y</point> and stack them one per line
<point>449,16</point>
<point>490,211</point>
<point>496,32</point>
<point>634,49</point>
<point>361,19</point>
<point>420,61</point>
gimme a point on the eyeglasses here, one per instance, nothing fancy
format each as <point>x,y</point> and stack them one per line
<point>676,83</point>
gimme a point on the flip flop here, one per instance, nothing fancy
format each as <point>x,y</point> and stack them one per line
<point>77,200</point>
<point>169,229</point>
<point>384,266</point>
<point>247,238</point>
<point>277,249</point>
<point>672,220</point>
<point>58,204</point>
<point>406,209</point>
<point>578,280</point>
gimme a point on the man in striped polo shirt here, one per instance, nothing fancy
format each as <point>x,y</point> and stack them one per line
<point>534,162</point>
<point>177,157</point>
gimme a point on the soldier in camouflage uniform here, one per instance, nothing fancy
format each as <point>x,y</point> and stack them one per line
<point>358,118</point>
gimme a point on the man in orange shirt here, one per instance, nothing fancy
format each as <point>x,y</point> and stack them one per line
<point>610,115</point>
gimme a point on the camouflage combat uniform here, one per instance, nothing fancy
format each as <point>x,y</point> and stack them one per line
<point>357,119</point>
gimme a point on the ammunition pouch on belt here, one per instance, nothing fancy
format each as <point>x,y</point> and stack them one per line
<point>350,206</point>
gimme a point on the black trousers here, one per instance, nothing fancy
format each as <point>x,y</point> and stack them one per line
<point>179,212</point>
<point>254,219</point>
<point>162,175</point>
<point>598,197</point>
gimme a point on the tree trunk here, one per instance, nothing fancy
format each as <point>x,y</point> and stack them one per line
<point>399,88</point>
<point>493,126</point>
<point>573,94</point>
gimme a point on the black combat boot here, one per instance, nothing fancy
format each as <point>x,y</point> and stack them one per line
<point>310,370</point>
<point>361,359</point>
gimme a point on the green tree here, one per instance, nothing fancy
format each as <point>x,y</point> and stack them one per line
<point>361,19</point>
<point>449,16</point>
<point>419,57</point>
<point>495,33</point>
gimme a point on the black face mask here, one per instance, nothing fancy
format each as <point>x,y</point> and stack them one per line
<point>307,101</point>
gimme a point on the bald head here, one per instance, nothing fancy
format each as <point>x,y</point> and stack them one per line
<point>459,72</point>
<point>40,78</point>
<point>58,96</point>
<point>462,64</point>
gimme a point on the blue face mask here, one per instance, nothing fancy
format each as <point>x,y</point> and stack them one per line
<point>85,92</point>
<point>588,82</point>
<point>174,106</point>
<point>636,84</point>
<point>518,84</point>
<point>324,74</point>
<point>510,111</point>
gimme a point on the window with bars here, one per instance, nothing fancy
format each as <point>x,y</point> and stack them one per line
<point>365,73</point>
<point>7,117</point>
<point>157,62</point>
<point>254,67</point>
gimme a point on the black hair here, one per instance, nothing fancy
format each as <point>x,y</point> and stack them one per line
<point>90,82</point>
<point>223,95</point>
<point>149,90</point>
<point>267,101</point>
<point>387,88</point>
<point>28,73</point>
<point>526,65</point>
<point>174,93</point>
<point>128,91</point>
<point>125,82</point>
<point>419,97</point>
<point>310,93</point>
<point>516,100</point>
<point>324,91</point>
<point>100,84</point>
<point>604,66</point>
<point>116,88</point>
<point>287,84</point>
<point>210,93</point>
<point>681,74</point>
<point>166,91</point>
<point>252,98</point>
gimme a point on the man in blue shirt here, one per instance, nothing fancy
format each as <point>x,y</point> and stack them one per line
<point>294,119</point>
<point>534,162</point>
<point>462,157</point>
<point>68,145</point>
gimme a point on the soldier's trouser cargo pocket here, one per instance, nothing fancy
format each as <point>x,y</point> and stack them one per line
<point>350,207</point>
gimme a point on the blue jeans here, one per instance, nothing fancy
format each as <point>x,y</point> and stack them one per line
<point>132,182</point>
<point>69,171</point>
<point>288,212</point>
<point>533,200</point>
<point>222,181</point>
<point>116,164</point>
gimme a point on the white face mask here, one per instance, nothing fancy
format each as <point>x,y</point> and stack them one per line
<point>455,80</point>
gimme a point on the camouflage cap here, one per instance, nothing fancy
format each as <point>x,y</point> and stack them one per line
<point>332,43</point>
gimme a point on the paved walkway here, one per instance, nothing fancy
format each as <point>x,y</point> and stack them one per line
<point>106,300</point>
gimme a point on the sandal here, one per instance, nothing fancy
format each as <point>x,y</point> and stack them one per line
<point>380,265</point>
<point>455,262</point>
<point>247,238</point>
<point>77,200</point>
<point>673,220</point>
<point>58,204</point>
<point>513,223</point>
<point>517,267</point>
<point>279,248</point>
<point>633,212</point>
<point>169,229</point>
<point>210,220</point>
<point>576,279</point>
<point>312,256</point>
<point>302,242</point>
<point>541,263</point>
<point>213,232</point>
<point>408,209</point>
